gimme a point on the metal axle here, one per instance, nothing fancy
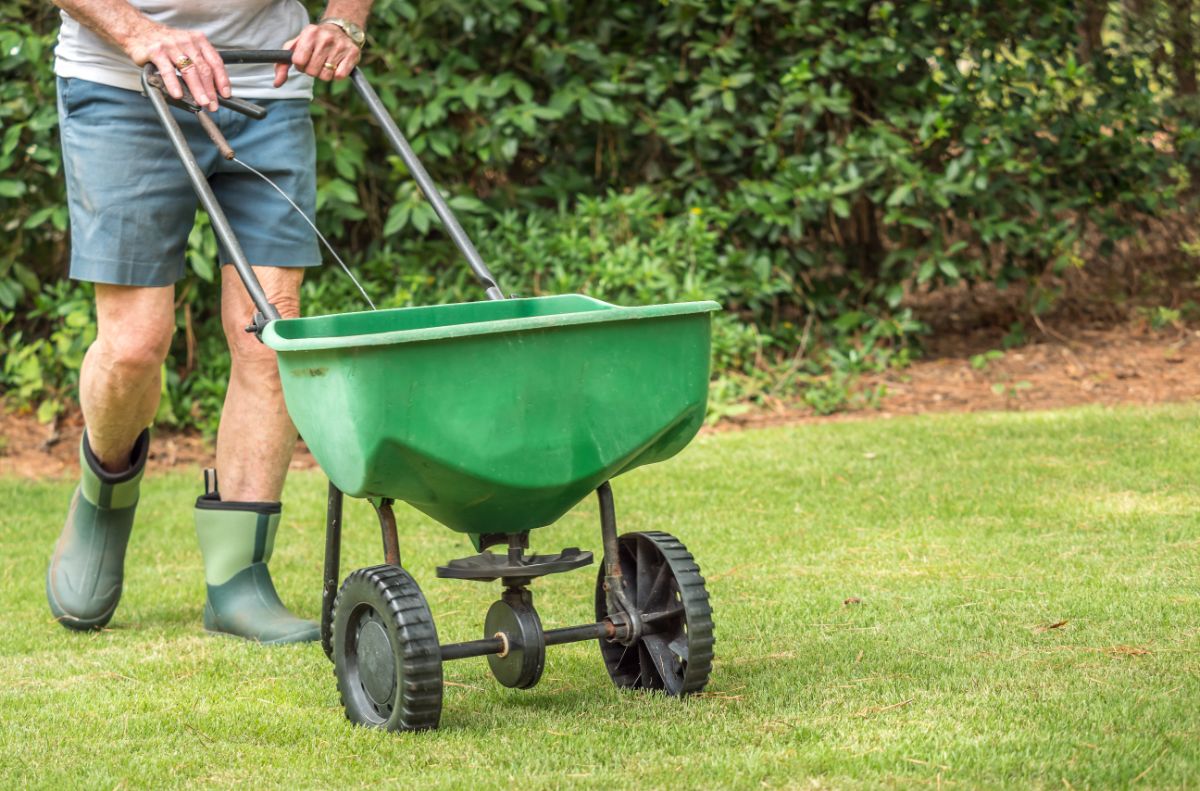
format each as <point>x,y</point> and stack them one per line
<point>601,630</point>
<point>498,645</point>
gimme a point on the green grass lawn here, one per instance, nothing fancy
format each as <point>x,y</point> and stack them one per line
<point>955,540</point>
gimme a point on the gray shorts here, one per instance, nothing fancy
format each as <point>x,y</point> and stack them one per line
<point>132,205</point>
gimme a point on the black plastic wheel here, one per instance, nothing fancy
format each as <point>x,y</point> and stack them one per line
<point>525,655</point>
<point>663,582</point>
<point>385,651</point>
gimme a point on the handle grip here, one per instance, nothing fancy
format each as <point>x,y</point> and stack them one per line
<point>255,111</point>
<point>188,102</point>
<point>238,57</point>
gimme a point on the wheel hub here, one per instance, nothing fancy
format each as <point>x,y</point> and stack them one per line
<point>514,617</point>
<point>376,663</point>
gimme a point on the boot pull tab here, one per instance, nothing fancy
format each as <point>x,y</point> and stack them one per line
<point>210,482</point>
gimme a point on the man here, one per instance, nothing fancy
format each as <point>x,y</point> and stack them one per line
<point>131,209</point>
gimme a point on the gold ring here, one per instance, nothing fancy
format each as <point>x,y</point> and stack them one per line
<point>331,66</point>
<point>184,62</point>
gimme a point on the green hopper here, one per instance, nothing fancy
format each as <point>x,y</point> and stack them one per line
<point>494,417</point>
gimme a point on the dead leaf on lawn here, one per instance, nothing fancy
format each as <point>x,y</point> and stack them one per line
<point>1128,650</point>
<point>869,710</point>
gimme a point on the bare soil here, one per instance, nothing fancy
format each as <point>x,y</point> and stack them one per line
<point>1120,330</point>
<point>34,450</point>
<point>1117,365</point>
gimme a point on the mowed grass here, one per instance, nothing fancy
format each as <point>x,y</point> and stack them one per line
<point>998,600</point>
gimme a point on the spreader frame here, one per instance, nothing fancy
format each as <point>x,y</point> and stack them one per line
<point>668,648</point>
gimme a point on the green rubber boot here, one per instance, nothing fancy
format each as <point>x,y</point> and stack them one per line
<point>87,570</point>
<point>236,540</point>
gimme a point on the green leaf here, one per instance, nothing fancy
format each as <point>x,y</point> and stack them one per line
<point>341,191</point>
<point>48,410</point>
<point>39,217</point>
<point>422,216</point>
<point>467,203</point>
<point>899,195</point>
<point>397,218</point>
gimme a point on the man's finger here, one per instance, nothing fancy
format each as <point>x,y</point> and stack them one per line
<point>219,76</point>
<point>347,64</point>
<point>193,78</point>
<point>281,69</point>
<point>166,70</point>
<point>199,78</point>
<point>304,47</point>
<point>323,54</point>
<point>323,49</point>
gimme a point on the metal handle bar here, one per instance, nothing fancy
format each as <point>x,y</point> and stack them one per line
<point>267,312</point>
<point>400,143</point>
<point>255,111</point>
<point>426,185</point>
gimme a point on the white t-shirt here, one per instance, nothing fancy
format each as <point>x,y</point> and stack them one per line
<point>228,24</point>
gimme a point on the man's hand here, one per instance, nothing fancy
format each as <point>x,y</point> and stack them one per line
<point>321,51</point>
<point>186,50</point>
<point>146,41</point>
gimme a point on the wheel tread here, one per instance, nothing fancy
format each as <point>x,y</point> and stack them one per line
<point>697,615</point>
<point>419,705</point>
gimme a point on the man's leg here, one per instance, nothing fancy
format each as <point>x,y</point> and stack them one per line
<point>237,521</point>
<point>119,391</point>
<point>120,382</point>
<point>256,436</point>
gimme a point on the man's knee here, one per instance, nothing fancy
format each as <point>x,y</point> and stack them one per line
<point>136,354</point>
<point>134,326</point>
<point>288,303</point>
<point>249,354</point>
<point>282,288</point>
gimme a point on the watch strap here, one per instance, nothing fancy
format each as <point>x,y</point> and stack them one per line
<point>352,30</point>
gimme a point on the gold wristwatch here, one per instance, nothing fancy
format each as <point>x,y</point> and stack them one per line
<point>356,33</point>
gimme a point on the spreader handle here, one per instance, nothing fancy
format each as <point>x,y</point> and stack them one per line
<point>426,185</point>
<point>398,141</point>
<point>237,57</point>
<point>266,312</point>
